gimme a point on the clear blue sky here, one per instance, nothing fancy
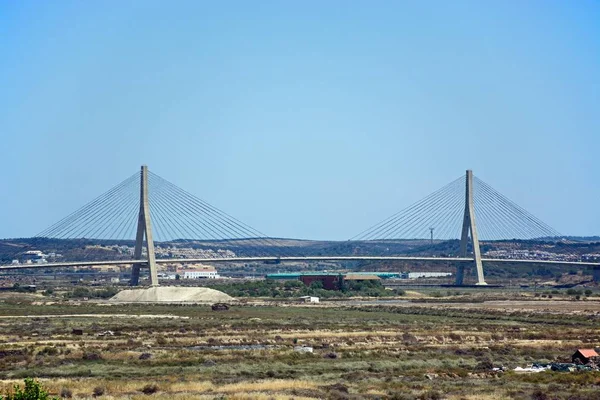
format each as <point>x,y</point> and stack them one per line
<point>309,119</point>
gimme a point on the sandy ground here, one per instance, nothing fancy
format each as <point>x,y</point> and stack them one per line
<point>165,316</point>
<point>538,306</point>
<point>171,294</point>
<point>533,305</point>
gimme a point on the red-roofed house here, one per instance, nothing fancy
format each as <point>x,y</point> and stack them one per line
<point>584,356</point>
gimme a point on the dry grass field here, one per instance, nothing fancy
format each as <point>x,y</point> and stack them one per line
<point>434,347</point>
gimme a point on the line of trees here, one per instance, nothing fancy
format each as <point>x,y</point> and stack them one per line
<point>293,288</point>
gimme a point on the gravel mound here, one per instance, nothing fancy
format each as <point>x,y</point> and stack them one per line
<point>171,294</point>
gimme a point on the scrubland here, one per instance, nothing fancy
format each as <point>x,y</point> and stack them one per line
<point>438,349</point>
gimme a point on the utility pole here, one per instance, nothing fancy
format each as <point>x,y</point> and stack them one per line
<point>431,230</point>
<point>144,228</point>
<point>469,225</point>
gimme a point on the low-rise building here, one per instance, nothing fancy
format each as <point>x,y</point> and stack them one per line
<point>361,277</point>
<point>328,281</point>
<point>417,275</point>
<point>201,272</point>
<point>584,356</point>
<point>309,299</point>
<point>34,256</point>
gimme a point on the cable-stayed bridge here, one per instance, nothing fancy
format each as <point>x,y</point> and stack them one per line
<point>146,220</point>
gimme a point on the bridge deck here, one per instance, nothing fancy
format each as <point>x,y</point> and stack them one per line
<point>290,259</point>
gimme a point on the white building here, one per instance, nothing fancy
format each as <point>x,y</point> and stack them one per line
<point>309,299</point>
<point>199,273</point>
<point>34,253</point>
<point>417,275</point>
<point>34,256</point>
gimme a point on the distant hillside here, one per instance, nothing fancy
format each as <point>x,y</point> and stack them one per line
<point>583,238</point>
<point>87,249</point>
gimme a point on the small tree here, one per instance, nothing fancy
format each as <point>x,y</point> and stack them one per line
<point>32,391</point>
<point>316,285</point>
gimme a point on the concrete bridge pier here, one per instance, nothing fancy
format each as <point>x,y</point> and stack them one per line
<point>144,228</point>
<point>460,275</point>
<point>596,274</point>
<point>470,225</point>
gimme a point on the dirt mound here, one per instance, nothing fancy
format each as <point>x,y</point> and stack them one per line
<point>171,294</point>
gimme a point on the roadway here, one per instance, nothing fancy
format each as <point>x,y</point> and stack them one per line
<point>9,267</point>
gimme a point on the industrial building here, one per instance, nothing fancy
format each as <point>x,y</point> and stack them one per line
<point>335,280</point>
<point>332,280</point>
<point>288,276</point>
<point>329,281</point>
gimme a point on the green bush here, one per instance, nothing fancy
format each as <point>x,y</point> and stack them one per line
<point>149,389</point>
<point>287,289</point>
<point>98,391</point>
<point>81,292</point>
<point>32,391</point>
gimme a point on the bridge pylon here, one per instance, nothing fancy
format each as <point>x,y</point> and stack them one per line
<point>144,228</point>
<point>470,225</point>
